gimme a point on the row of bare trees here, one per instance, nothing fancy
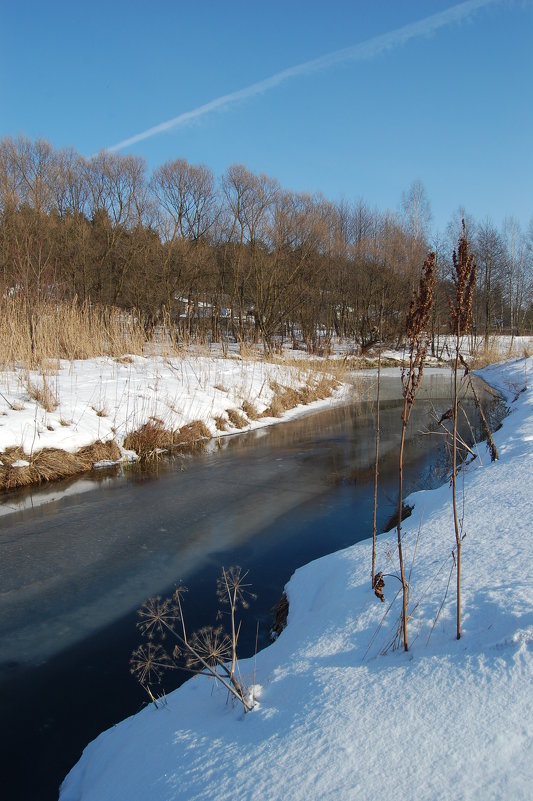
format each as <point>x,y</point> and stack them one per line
<point>238,256</point>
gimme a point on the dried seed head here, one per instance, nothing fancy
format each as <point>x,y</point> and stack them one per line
<point>464,281</point>
<point>416,326</point>
<point>148,662</point>
<point>212,644</point>
<point>157,617</point>
<point>232,589</point>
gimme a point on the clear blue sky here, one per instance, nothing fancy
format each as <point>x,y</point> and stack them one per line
<point>448,101</point>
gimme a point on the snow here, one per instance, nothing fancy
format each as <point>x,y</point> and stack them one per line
<point>341,713</point>
<point>105,398</point>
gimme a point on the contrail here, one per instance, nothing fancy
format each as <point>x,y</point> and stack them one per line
<point>360,52</point>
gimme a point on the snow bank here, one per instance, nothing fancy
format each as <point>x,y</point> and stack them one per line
<point>75,403</point>
<point>341,714</point>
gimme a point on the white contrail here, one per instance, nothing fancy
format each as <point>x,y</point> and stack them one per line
<point>359,52</point>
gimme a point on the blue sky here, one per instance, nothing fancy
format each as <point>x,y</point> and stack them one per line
<point>448,101</point>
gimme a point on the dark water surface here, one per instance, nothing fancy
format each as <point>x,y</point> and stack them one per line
<point>73,572</point>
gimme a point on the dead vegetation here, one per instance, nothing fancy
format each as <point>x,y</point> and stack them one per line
<point>31,336</point>
<point>153,439</point>
<point>236,418</point>
<point>285,398</point>
<point>209,652</point>
<point>18,469</point>
<point>250,411</point>
<point>43,395</point>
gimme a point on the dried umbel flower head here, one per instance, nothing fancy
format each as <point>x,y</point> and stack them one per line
<point>213,645</point>
<point>148,662</point>
<point>464,281</point>
<point>232,589</point>
<point>157,616</point>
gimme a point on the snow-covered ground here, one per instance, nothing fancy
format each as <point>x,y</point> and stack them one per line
<point>340,713</point>
<point>72,404</point>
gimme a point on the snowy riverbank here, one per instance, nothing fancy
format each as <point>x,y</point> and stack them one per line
<point>340,714</point>
<point>89,409</point>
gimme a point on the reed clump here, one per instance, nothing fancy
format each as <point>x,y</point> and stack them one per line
<point>249,410</point>
<point>32,334</point>
<point>153,439</point>
<point>192,437</point>
<point>18,469</point>
<point>236,418</point>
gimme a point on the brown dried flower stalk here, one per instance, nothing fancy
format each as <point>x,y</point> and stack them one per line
<point>416,330</point>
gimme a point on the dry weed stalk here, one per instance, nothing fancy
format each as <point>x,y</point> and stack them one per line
<point>464,281</point>
<point>417,322</point>
<point>377,590</point>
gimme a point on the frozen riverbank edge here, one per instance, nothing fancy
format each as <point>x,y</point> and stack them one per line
<point>336,717</point>
<point>62,421</point>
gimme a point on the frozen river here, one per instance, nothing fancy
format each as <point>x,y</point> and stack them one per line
<point>73,572</point>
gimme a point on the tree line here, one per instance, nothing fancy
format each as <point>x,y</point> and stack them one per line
<point>238,256</point>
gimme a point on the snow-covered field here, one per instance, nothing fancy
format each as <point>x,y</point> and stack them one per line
<point>340,713</point>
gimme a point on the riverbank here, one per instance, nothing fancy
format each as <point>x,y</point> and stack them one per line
<point>70,416</point>
<point>75,415</point>
<point>340,712</point>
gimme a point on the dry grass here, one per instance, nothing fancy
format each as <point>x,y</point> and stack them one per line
<point>488,354</point>
<point>65,331</point>
<point>275,409</point>
<point>250,411</point>
<point>51,464</point>
<point>236,418</point>
<point>43,395</point>
<point>285,398</point>
<point>152,439</point>
<point>192,437</point>
<point>221,423</point>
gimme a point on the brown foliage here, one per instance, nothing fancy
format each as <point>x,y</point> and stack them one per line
<point>152,439</point>
<point>52,464</point>
<point>464,281</point>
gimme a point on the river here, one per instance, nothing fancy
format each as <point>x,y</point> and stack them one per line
<point>74,571</point>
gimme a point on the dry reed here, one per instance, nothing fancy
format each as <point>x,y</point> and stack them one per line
<point>18,469</point>
<point>152,439</point>
<point>236,418</point>
<point>57,330</point>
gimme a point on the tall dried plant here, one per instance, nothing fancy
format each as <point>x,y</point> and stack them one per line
<point>416,330</point>
<point>464,281</point>
<point>208,652</point>
<point>376,458</point>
